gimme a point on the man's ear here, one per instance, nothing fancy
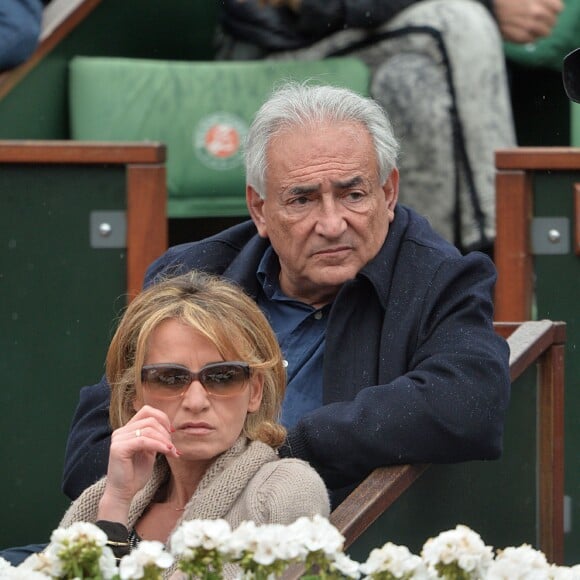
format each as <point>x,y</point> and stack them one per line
<point>256,208</point>
<point>391,189</point>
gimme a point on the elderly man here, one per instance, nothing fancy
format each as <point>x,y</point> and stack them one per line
<point>386,328</point>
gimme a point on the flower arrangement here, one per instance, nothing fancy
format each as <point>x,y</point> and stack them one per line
<point>210,549</point>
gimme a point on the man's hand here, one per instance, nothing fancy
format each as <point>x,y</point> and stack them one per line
<point>524,21</point>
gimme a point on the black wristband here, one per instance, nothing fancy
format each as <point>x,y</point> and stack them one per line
<point>118,537</point>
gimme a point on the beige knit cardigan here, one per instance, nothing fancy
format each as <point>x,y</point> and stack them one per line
<point>247,482</point>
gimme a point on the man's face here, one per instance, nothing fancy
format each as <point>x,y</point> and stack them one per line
<point>325,212</point>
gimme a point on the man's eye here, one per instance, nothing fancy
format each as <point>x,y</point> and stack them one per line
<point>355,195</point>
<point>297,201</point>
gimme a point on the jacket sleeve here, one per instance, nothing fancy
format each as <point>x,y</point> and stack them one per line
<point>87,448</point>
<point>448,403</point>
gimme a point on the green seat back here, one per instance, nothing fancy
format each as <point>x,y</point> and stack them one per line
<point>200,110</point>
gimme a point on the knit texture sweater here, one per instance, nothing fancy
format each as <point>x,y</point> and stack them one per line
<point>247,482</point>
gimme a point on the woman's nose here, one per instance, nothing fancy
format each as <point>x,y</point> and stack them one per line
<point>195,396</point>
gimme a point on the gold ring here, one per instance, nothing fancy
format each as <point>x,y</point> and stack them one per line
<point>138,433</point>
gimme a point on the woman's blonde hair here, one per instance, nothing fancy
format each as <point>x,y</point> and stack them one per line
<point>222,313</point>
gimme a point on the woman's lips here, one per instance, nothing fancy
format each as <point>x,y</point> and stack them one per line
<point>195,428</point>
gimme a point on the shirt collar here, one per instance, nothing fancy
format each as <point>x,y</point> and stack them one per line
<point>268,273</point>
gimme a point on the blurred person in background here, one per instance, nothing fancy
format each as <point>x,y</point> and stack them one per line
<point>20,24</point>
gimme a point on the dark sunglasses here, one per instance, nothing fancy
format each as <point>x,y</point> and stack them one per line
<point>223,379</point>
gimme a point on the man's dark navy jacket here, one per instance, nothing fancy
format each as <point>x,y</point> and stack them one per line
<point>413,369</point>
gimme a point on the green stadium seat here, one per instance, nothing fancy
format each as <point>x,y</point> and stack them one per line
<point>200,110</point>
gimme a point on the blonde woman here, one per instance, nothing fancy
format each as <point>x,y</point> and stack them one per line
<point>197,381</point>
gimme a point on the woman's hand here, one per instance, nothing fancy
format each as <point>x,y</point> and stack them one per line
<point>131,458</point>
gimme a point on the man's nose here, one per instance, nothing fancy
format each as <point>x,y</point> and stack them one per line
<point>330,221</point>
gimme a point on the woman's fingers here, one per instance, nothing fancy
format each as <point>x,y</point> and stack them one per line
<point>148,431</point>
<point>146,411</point>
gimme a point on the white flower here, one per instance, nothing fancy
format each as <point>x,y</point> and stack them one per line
<point>20,573</point>
<point>290,544</point>
<point>461,546</point>
<point>318,534</point>
<point>46,562</point>
<point>4,563</point>
<point>147,553</point>
<point>397,560</point>
<point>63,545</point>
<point>207,534</point>
<point>242,539</point>
<point>564,573</point>
<point>270,545</point>
<point>518,564</point>
<point>347,567</point>
<point>82,531</point>
<point>108,563</point>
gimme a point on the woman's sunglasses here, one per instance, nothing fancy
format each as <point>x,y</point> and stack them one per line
<point>223,379</point>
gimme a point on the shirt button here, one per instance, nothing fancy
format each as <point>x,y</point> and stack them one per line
<point>318,314</point>
<point>284,363</point>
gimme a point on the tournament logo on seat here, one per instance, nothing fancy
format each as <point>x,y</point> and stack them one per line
<point>218,140</point>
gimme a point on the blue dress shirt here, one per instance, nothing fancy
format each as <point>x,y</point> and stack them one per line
<point>300,330</point>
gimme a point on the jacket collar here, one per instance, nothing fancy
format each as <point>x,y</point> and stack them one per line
<point>379,271</point>
<point>245,265</point>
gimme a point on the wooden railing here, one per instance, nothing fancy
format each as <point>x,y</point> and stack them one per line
<point>530,342</point>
